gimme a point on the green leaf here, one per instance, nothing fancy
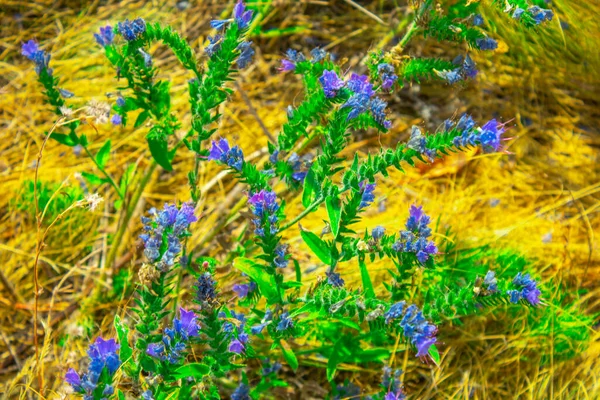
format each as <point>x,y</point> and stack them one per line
<point>311,188</point>
<point>125,351</point>
<point>334,211</point>
<point>318,246</point>
<point>337,356</point>
<point>64,139</point>
<point>366,279</point>
<point>265,282</point>
<point>289,355</point>
<point>141,119</point>
<point>103,154</point>
<point>193,370</point>
<point>157,141</point>
<point>435,354</point>
<point>93,179</point>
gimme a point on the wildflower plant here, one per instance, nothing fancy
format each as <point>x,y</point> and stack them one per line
<point>191,350</point>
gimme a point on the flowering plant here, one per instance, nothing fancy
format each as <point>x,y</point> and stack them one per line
<point>189,351</point>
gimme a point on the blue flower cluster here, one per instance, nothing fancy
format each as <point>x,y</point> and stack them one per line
<point>378,232</point>
<point>206,291</point>
<point>242,290</point>
<point>486,43</point>
<point>331,83</point>
<point>415,327</point>
<point>414,238</point>
<point>269,368</point>
<point>418,142</point>
<point>465,69</point>
<point>392,384</point>
<point>235,332</point>
<point>285,322</point>
<point>132,30</point>
<point>538,14</point>
<point>264,206</point>
<point>242,392</point>
<point>528,290</point>
<point>214,45</point>
<point>103,355</point>
<point>41,59</point>
<point>362,90</point>
<point>361,100</point>
<point>491,282</point>
<point>300,166</point>
<point>220,151</point>
<point>266,320</point>
<point>281,261</point>
<point>294,57</point>
<point>334,279</point>
<point>489,136</point>
<point>241,16</point>
<point>367,191</point>
<point>388,76</point>
<point>105,37</point>
<point>175,339</point>
<point>246,53</point>
<point>167,226</point>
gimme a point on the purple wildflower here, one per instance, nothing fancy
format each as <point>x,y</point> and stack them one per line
<point>175,339</point>
<point>491,282</point>
<point>40,58</point>
<point>418,142</point>
<point>317,54</point>
<point>285,322</point>
<point>518,12</point>
<point>264,206</point>
<point>242,392</point>
<point>132,30</point>
<point>220,151</point>
<point>415,327</point>
<point>540,15</point>
<point>360,102</point>
<point>334,279</point>
<point>65,94</point>
<point>241,16</point>
<point>214,45</point>
<point>477,20</point>
<point>241,290</point>
<point>392,384</point>
<point>377,107</point>
<point>486,43</point>
<point>331,83</point>
<point>116,119</point>
<point>367,194</point>
<point>388,76</point>
<point>529,290</point>
<point>206,288</point>
<point>168,225</point>
<point>287,65</point>
<point>246,53</point>
<point>378,232</point>
<point>235,346</point>
<point>105,37</point>
<point>281,260</point>
<point>414,238</point>
<point>103,357</point>
<point>489,136</point>
<point>219,23</point>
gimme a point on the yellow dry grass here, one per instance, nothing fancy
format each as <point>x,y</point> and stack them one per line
<point>549,185</point>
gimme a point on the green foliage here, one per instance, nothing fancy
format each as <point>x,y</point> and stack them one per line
<point>51,196</point>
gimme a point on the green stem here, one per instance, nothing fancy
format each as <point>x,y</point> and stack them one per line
<point>412,28</point>
<point>110,179</point>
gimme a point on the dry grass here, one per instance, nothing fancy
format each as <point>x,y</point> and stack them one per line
<point>548,185</point>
